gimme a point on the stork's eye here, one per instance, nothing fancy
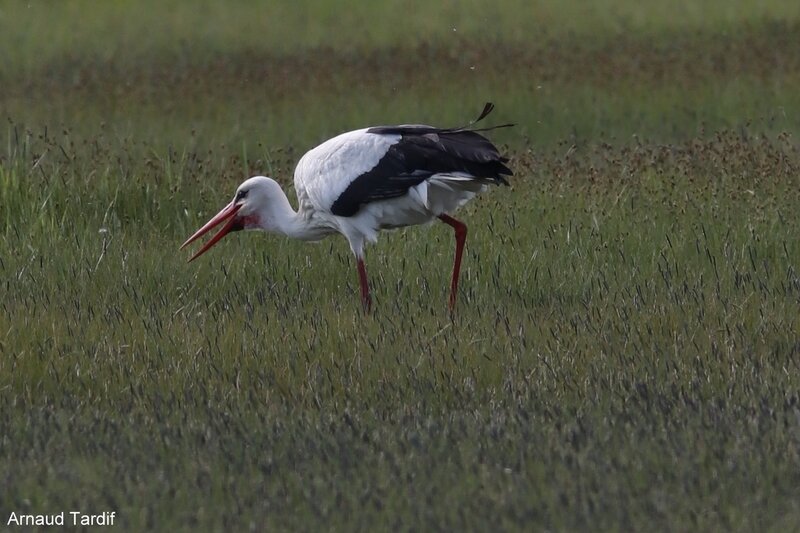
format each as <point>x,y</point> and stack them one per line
<point>241,195</point>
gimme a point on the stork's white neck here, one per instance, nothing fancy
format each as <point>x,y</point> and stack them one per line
<point>278,216</point>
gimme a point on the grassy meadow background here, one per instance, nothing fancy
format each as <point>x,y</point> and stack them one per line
<point>625,355</point>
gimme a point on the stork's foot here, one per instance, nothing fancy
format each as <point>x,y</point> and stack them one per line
<point>366,299</point>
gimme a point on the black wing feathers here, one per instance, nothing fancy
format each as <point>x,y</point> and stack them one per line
<point>421,152</point>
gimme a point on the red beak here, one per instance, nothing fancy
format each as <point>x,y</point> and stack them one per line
<point>228,213</point>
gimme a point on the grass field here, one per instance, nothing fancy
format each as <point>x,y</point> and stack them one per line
<point>625,356</point>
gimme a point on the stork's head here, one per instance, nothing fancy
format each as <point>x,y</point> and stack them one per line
<point>251,201</point>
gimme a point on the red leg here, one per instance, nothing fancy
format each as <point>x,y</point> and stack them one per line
<point>366,301</point>
<point>461,236</point>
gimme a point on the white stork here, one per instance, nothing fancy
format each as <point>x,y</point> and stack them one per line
<point>367,180</point>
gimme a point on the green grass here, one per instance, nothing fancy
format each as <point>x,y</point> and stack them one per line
<point>664,84</point>
<point>44,33</point>
<point>625,353</point>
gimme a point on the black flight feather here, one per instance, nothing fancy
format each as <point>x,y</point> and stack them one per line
<point>421,152</point>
